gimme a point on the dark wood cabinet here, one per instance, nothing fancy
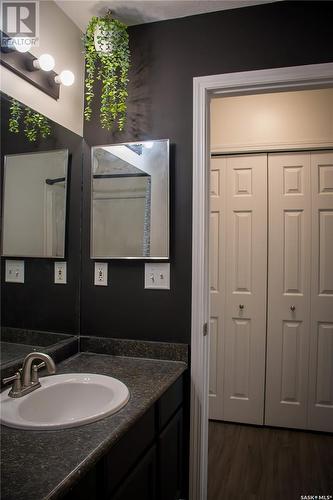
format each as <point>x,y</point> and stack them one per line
<point>147,462</point>
<point>141,483</point>
<point>170,460</point>
<point>117,464</point>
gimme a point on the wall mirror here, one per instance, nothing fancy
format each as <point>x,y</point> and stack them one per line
<point>130,201</point>
<point>34,205</point>
<point>41,184</point>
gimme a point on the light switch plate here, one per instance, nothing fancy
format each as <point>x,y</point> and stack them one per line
<point>15,271</point>
<point>60,273</point>
<point>157,276</point>
<point>101,274</point>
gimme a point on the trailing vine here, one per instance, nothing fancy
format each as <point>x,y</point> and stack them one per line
<point>35,124</point>
<point>110,65</point>
<point>15,116</point>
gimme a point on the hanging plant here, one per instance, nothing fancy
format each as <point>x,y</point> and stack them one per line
<point>107,59</point>
<point>35,124</point>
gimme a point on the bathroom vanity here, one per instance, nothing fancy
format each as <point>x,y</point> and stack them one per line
<point>135,453</point>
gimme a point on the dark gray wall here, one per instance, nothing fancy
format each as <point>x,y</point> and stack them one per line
<point>39,303</point>
<point>165,58</point>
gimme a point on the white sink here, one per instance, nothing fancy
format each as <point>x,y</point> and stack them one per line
<point>63,401</point>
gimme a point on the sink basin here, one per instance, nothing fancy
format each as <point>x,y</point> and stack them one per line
<point>66,400</point>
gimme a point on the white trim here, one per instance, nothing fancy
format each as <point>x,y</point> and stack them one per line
<point>290,78</point>
<point>272,146</point>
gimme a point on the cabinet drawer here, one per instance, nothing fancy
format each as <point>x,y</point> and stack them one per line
<point>117,464</point>
<point>169,403</point>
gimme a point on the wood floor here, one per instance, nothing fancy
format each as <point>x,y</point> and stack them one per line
<point>249,463</point>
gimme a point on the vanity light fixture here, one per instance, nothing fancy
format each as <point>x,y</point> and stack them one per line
<point>38,71</point>
<point>66,77</point>
<point>45,62</point>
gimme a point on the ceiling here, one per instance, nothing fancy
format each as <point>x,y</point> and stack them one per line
<point>133,12</point>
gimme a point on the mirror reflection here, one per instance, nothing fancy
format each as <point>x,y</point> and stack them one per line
<point>40,224</point>
<point>130,200</point>
<point>34,207</point>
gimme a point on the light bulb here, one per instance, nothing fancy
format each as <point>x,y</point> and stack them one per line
<point>148,144</point>
<point>21,44</point>
<point>66,77</point>
<point>45,62</point>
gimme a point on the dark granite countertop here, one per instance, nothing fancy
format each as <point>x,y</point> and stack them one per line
<point>45,464</point>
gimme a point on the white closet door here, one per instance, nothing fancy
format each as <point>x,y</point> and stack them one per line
<point>288,289</point>
<point>245,272</point>
<point>321,350</point>
<point>217,295</point>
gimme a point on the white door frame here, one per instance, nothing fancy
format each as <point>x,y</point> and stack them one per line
<point>249,82</point>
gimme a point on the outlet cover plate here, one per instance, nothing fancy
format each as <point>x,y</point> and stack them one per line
<point>14,271</point>
<point>157,276</point>
<point>101,274</point>
<point>60,273</point>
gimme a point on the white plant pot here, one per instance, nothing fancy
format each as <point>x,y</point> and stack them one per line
<point>103,46</point>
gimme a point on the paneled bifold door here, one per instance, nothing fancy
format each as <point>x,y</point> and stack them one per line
<point>288,318</point>
<point>299,380</point>
<point>320,413</point>
<point>299,289</point>
<point>238,269</point>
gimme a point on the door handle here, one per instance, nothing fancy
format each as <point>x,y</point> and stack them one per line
<point>292,308</point>
<point>241,306</point>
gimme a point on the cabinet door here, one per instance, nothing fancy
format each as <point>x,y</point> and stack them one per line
<point>170,459</point>
<point>141,483</point>
<point>123,456</point>
<point>245,240</point>
<point>289,244</point>
<point>320,413</point>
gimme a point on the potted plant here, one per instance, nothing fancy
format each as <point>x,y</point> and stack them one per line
<point>107,58</point>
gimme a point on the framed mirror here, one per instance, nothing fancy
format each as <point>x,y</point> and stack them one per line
<point>130,201</point>
<point>34,204</point>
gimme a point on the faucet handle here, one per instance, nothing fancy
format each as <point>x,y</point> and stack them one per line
<point>8,380</point>
<point>41,365</point>
<point>35,368</point>
<point>17,381</point>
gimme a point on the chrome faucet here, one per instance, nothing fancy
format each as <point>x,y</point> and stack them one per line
<point>26,379</point>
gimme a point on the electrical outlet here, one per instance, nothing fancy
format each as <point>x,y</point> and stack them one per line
<point>101,273</point>
<point>60,273</point>
<point>157,276</point>
<point>15,271</point>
